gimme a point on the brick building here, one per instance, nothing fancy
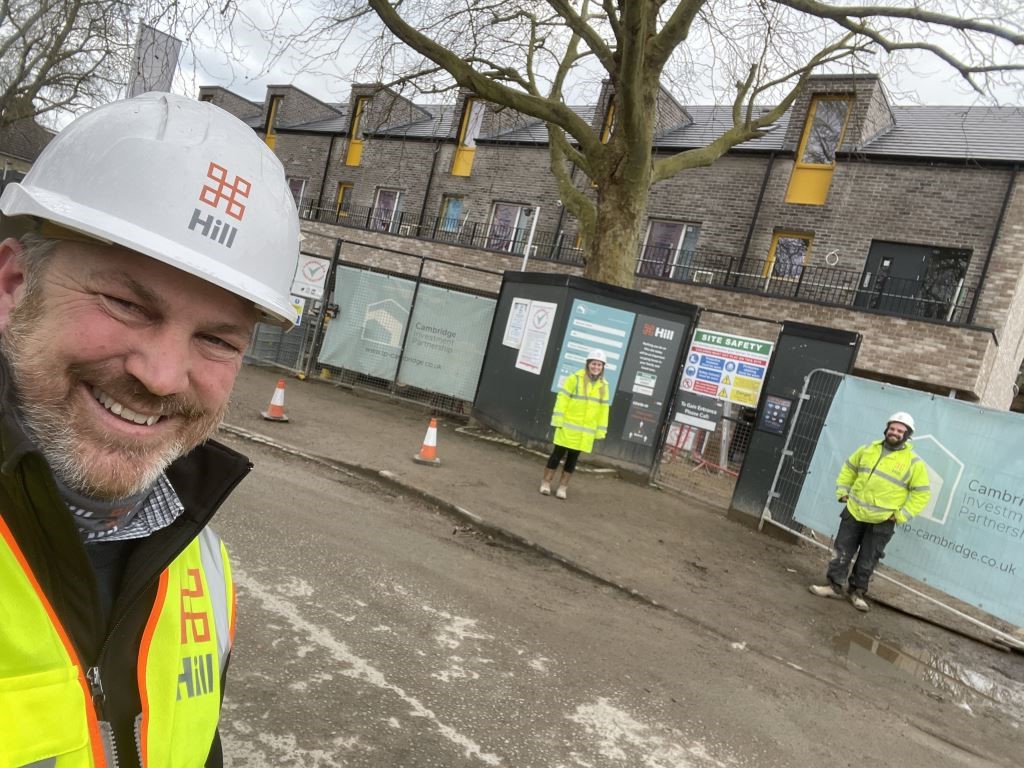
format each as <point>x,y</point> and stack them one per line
<point>904,223</point>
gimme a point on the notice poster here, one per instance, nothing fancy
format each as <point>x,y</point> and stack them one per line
<point>647,374</point>
<point>539,321</point>
<point>515,326</point>
<point>726,367</point>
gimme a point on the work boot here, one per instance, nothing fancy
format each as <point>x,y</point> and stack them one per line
<point>857,600</point>
<point>563,483</point>
<point>545,485</point>
<point>826,590</point>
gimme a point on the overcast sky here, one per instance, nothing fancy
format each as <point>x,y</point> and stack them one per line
<point>248,73</point>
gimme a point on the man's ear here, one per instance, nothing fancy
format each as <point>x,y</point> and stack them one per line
<point>12,278</point>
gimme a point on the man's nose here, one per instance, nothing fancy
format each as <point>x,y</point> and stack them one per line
<point>162,362</point>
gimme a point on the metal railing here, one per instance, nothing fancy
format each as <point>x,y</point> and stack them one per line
<point>855,289</point>
<point>543,244</point>
<point>903,297</point>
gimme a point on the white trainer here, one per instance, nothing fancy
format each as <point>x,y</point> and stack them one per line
<point>857,601</point>
<point>825,590</point>
<point>560,493</point>
<point>545,488</point>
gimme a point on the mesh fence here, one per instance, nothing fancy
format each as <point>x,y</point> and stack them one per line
<point>399,329</point>
<point>706,462</point>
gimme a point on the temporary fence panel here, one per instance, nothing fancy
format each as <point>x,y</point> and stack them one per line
<point>703,457</point>
<point>446,341</point>
<point>967,540</point>
<point>392,333</point>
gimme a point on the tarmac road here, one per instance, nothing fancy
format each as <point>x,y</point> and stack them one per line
<point>375,631</point>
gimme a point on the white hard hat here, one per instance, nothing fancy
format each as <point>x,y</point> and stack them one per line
<point>179,180</point>
<point>597,354</point>
<point>903,418</point>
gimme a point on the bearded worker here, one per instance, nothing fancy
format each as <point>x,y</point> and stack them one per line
<point>135,258</point>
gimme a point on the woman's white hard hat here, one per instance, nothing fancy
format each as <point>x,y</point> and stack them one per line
<point>178,180</point>
<point>597,354</point>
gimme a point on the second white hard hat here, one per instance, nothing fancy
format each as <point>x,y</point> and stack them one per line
<point>903,418</point>
<point>178,180</point>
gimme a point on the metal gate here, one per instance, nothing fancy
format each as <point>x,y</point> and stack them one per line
<point>705,462</point>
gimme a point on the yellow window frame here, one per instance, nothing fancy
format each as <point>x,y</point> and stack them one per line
<point>269,134</point>
<point>344,191</point>
<point>354,154</point>
<point>462,162</point>
<point>769,265</point>
<point>810,182</point>
<point>609,123</point>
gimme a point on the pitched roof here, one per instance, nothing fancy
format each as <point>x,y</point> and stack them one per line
<point>977,133</point>
<point>24,139</point>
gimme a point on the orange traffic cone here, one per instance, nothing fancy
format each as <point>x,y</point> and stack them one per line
<point>428,453</point>
<point>275,411</point>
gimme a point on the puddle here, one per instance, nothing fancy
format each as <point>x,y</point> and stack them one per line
<point>967,687</point>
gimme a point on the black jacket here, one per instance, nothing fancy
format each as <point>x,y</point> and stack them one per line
<point>45,531</point>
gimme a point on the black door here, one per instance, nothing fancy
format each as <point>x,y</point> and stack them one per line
<point>893,278</point>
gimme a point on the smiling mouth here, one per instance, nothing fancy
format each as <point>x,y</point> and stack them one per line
<point>123,411</point>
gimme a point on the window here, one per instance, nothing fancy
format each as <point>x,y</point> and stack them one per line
<point>669,249</point>
<point>787,256</point>
<point>386,210</point>
<point>343,202</point>
<point>298,187</point>
<point>451,218</point>
<point>511,227</point>
<point>816,155</point>
<point>826,125</point>
<point>270,129</point>
<point>206,97</point>
<point>469,129</point>
<point>356,134</point>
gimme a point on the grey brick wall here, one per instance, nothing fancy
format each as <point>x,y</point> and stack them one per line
<point>386,107</point>
<point>296,106</point>
<point>230,102</point>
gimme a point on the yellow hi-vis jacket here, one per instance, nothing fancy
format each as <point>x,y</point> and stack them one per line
<point>581,412</point>
<point>51,708</point>
<point>882,486</point>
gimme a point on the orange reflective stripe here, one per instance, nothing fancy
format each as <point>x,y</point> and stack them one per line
<point>145,646</point>
<point>96,742</point>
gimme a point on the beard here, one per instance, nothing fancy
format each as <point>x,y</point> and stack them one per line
<point>83,454</point>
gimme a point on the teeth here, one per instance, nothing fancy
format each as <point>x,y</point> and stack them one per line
<point>120,410</point>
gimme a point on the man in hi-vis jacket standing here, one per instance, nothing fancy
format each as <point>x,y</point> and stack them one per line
<point>882,484</point>
<point>135,258</point>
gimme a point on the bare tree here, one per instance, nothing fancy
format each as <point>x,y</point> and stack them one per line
<point>63,56</point>
<point>526,54</point>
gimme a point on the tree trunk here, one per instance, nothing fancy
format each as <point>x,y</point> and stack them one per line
<point>613,251</point>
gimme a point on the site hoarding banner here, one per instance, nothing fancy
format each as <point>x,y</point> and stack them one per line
<point>366,335</point>
<point>969,541</point>
<point>445,344</point>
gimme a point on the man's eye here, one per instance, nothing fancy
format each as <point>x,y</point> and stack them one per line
<point>220,344</point>
<point>123,305</point>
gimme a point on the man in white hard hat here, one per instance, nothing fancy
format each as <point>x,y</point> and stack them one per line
<point>135,258</point>
<point>883,484</point>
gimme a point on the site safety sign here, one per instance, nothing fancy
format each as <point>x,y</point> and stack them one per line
<point>726,367</point>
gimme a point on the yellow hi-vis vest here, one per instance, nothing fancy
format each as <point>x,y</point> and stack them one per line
<point>47,716</point>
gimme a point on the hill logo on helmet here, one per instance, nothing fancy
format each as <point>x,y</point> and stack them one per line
<point>212,227</point>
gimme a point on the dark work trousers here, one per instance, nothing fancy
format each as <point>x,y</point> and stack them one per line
<point>865,540</point>
<point>570,458</point>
